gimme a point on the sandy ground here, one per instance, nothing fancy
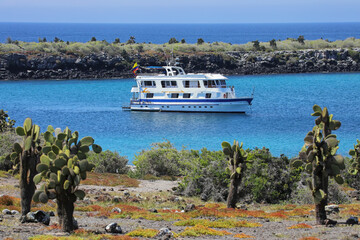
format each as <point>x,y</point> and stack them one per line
<point>10,226</point>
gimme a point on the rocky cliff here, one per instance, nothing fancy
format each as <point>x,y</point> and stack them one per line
<point>73,66</point>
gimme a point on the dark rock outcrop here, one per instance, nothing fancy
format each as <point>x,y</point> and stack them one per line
<point>98,66</point>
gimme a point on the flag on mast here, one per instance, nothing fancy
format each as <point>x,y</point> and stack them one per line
<point>135,68</point>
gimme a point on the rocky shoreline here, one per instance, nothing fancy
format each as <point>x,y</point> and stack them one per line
<point>21,66</point>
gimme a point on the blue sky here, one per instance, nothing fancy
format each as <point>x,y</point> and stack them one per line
<point>180,11</point>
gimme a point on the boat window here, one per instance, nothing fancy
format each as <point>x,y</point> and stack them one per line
<point>208,95</point>
<point>148,84</point>
<point>149,95</point>
<point>217,82</point>
<point>205,83</point>
<point>223,82</point>
<point>186,95</point>
<point>211,84</point>
<point>174,95</point>
<point>168,84</point>
<point>191,84</point>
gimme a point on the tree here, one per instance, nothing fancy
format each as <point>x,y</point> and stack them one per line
<point>320,159</point>
<point>200,41</point>
<point>256,45</point>
<point>355,159</point>
<point>9,40</point>
<point>237,159</point>
<point>131,40</point>
<point>117,40</point>
<point>63,165</point>
<point>93,39</point>
<point>183,41</point>
<point>44,39</point>
<point>56,39</point>
<point>25,156</point>
<point>173,40</point>
<point>301,39</point>
<point>273,43</point>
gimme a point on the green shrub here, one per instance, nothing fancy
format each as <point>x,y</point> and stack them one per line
<point>269,179</point>
<point>163,159</point>
<point>109,162</point>
<point>205,175</point>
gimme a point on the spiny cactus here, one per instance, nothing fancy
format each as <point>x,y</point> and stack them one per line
<point>25,156</point>
<point>320,159</point>
<point>5,122</point>
<point>355,159</point>
<point>63,165</point>
<point>237,158</point>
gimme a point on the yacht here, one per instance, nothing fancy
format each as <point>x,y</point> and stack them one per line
<point>170,89</point>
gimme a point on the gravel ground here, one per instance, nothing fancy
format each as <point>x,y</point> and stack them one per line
<point>10,226</point>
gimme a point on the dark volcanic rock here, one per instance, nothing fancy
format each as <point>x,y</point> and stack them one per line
<point>45,66</point>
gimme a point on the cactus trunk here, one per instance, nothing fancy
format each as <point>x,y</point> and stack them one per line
<point>233,193</point>
<point>320,206</point>
<point>65,210</point>
<point>27,185</point>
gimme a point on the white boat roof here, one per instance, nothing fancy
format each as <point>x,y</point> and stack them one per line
<point>177,73</point>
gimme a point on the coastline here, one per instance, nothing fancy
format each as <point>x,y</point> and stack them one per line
<point>26,65</point>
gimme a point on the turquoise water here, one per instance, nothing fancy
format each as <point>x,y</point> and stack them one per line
<point>279,118</point>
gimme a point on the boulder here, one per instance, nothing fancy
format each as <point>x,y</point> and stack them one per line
<point>6,212</point>
<point>330,209</point>
<point>190,207</point>
<point>116,210</point>
<point>113,228</point>
<point>14,212</point>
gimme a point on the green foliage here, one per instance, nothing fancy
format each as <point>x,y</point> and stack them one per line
<point>256,45</point>
<point>63,165</point>
<point>205,175</point>
<point>355,159</point>
<point>131,40</point>
<point>7,140</point>
<point>183,41</point>
<point>268,179</point>
<point>200,41</point>
<point>320,159</point>
<point>301,39</point>
<point>5,122</point>
<point>272,43</point>
<point>237,159</point>
<point>93,39</point>
<point>163,159</point>
<point>117,40</point>
<point>28,149</point>
<point>108,162</point>
<point>173,40</point>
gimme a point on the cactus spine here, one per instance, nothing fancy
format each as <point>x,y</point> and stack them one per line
<point>355,159</point>
<point>63,165</point>
<point>320,159</point>
<point>237,158</point>
<point>25,156</point>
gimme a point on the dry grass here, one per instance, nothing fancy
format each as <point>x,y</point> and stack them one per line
<point>199,230</point>
<point>300,225</point>
<point>110,179</point>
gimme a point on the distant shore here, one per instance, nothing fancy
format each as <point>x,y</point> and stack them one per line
<point>99,59</point>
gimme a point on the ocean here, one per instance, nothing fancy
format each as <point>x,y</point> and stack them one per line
<point>279,118</point>
<point>161,33</point>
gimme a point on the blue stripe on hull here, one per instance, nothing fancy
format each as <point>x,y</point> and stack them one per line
<point>248,100</point>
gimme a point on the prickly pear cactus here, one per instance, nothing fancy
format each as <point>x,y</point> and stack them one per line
<point>237,158</point>
<point>25,156</point>
<point>319,158</point>
<point>5,122</point>
<point>63,165</point>
<point>355,159</point>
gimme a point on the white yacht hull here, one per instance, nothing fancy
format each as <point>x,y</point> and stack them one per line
<point>229,106</point>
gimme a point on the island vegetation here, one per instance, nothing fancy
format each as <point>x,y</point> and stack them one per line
<point>101,59</point>
<point>261,190</point>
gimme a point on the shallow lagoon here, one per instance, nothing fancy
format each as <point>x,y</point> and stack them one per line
<point>279,118</point>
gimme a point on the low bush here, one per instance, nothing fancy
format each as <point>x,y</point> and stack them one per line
<point>7,140</point>
<point>163,159</point>
<point>109,162</point>
<point>205,176</point>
